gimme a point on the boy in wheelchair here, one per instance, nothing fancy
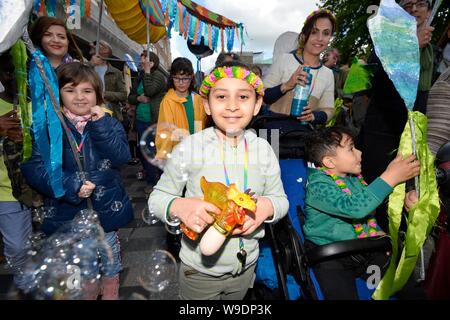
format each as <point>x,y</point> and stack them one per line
<point>339,206</point>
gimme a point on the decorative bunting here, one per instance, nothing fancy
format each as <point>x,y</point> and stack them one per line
<point>185,11</point>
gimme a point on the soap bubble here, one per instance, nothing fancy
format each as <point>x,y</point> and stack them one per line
<point>136,296</point>
<point>48,212</point>
<point>147,142</point>
<point>158,272</point>
<point>173,229</point>
<point>148,215</point>
<point>68,260</point>
<point>104,165</point>
<point>57,281</point>
<point>34,242</point>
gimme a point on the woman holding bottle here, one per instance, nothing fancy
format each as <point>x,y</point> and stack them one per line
<point>289,71</point>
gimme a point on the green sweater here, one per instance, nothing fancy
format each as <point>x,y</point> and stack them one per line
<point>154,85</point>
<point>330,213</point>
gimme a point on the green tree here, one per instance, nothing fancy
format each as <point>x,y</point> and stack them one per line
<point>352,37</point>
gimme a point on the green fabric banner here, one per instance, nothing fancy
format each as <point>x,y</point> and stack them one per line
<point>358,79</point>
<point>421,217</point>
<point>19,57</point>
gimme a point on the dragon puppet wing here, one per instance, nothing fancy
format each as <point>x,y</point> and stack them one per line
<point>214,192</point>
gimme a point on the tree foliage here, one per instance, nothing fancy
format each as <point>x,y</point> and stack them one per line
<point>352,37</point>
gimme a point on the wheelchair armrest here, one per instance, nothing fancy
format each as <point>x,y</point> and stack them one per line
<point>347,247</point>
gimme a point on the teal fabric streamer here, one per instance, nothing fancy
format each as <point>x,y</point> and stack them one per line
<point>50,5</point>
<point>46,126</point>
<point>173,18</point>
<point>241,28</point>
<point>82,8</point>
<point>192,22</point>
<point>171,12</point>
<point>205,34</point>
<point>230,38</point>
<point>215,37</point>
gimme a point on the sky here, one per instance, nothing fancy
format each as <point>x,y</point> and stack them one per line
<point>264,21</point>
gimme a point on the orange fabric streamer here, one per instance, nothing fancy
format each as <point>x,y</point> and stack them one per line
<point>166,16</point>
<point>186,29</point>
<point>42,11</point>
<point>87,8</point>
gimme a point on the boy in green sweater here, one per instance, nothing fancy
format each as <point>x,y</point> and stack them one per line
<point>339,206</point>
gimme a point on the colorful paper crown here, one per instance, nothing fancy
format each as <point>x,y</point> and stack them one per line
<point>231,72</point>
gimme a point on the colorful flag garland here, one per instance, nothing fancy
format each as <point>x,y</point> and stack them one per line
<point>201,25</point>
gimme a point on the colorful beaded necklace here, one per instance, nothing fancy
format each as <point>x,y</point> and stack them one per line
<point>371,222</point>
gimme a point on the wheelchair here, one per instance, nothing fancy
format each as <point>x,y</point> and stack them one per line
<point>285,268</point>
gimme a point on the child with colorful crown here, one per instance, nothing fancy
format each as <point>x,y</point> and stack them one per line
<point>235,157</point>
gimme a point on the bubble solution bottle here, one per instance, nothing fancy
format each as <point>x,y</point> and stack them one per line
<point>301,96</point>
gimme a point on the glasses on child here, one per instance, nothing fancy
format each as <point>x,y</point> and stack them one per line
<point>419,4</point>
<point>181,80</point>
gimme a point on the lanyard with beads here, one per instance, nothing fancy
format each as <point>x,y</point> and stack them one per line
<point>242,254</point>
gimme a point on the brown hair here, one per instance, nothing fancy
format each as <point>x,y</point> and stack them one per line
<point>183,66</point>
<point>324,142</point>
<point>311,22</point>
<point>153,58</point>
<point>42,24</point>
<point>76,73</point>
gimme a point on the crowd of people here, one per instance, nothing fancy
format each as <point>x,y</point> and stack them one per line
<point>202,130</point>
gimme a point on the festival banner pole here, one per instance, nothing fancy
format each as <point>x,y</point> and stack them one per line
<point>148,28</point>
<point>100,15</point>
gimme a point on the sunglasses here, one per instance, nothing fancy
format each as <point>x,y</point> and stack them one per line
<point>181,80</point>
<point>419,4</point>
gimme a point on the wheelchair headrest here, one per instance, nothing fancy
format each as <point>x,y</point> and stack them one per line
<point>288,130</point>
